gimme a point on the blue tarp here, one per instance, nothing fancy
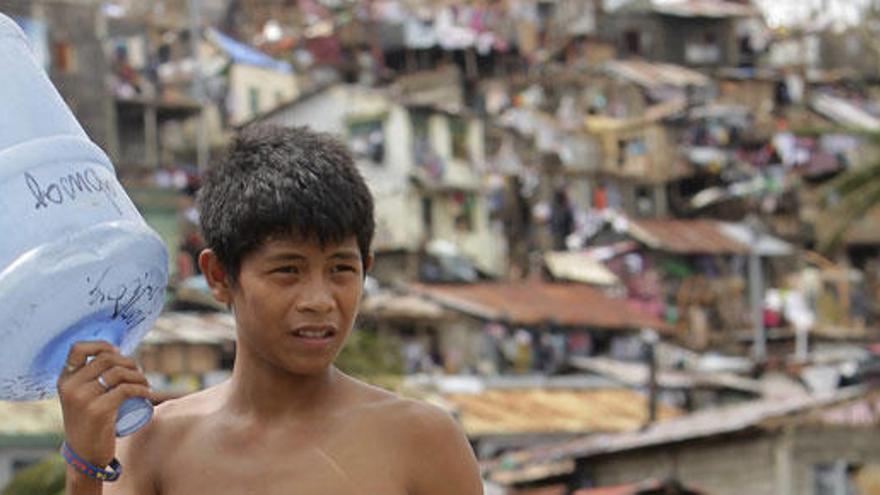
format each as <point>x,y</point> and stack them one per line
<point>241,53</point>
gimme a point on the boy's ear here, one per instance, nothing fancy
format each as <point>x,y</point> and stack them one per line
<point>215,274</point>
<point>368,263</point>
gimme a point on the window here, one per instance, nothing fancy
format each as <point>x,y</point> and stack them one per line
<point>621,153</point>
<point>464,211</point>
<point>428,216</point>
<point>458,131</point>
<point>632,42</point>
<point>834,478</point>
<point>254,101</point>
<point>629,149</point>
<point>432,166</point>
<point>63,57</point>
<point>367,140</point>
<point>703,50</point>
<point>421,137</point>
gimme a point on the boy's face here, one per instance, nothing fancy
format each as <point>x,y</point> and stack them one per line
<point>295,302</point>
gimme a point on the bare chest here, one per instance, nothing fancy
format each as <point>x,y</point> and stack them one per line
<point>317,464</point>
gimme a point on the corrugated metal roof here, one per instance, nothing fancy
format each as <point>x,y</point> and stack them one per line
<point>767,245</point>
<point>637,374</point>
<point>536,303</point>
<point>705,8</point>
<point>844,112</point>
<point>524,411</point>
<point>655,74</point>
<point>579,267</point>
<point>192,328</point>
<point>864,412</point>
<point>543,490</point>
<point>387,305</point>
<point>685,236</point>
<point>649,486</point>
<point>698,425</point>
<point>30,418</point>
<point>242,53</point>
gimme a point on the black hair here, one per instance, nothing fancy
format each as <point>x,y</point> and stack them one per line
<point>278,181</point>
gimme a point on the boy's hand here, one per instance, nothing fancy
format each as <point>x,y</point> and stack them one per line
<point>91,390</point>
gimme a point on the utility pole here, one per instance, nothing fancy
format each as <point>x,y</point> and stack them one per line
<point>756,292</point>
<point>195,36</point>
<point>650,339</point>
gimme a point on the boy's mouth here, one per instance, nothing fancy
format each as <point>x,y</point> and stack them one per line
<point>317,332</point>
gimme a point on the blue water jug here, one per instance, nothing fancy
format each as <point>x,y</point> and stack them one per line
<point>77,261</point>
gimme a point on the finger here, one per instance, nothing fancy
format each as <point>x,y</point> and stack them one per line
<point>80,351</point>
<point>119,394</point>
<point>118,375</point>
<point>78,358</point>
<point>99,365</point>
<point>78,394</point>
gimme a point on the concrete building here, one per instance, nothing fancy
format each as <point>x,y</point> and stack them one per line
<point>422,164</point>
<point>697,33</point>
<point>102,65</point>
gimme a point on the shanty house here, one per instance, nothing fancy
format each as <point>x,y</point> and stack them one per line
<point>689,272</point>
<point>529,327</point>
<point>186,352</point>
<point>819,445</point>
<point>639,156</point>
<point>696,33</point>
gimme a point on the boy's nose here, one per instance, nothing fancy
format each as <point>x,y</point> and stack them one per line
<point>316,298</point>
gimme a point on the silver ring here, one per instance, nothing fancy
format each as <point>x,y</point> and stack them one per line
<point>103,383</point>
<point>70,367</point>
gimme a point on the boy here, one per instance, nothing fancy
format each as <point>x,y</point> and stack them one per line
<point>288,221</point>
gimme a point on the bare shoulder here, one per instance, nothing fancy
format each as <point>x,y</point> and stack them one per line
<point>171,420</point>
<point>142,453</point>
<point>175,417</point>
<point>428,440</point>
<point>404,415</point>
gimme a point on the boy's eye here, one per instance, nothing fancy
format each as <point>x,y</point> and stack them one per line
<point>343,268</point>
<point>286,269</point>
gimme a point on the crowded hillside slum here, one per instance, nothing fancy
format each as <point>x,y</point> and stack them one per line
<point>612,236</point>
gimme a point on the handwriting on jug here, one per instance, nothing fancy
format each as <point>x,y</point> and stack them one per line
<point>69,187</point>
<point>128,299</point>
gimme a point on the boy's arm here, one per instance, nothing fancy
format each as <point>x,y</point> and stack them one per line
<point>442,461</point>
<point>135,480</point>
<point>95,381</point>
<point>138,466</point>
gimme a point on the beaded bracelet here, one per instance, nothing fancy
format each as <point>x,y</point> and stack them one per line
<point>110,473</point>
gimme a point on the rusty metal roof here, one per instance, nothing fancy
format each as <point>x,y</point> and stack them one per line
<point>685,236</point>
<point>537,303</point>
<point>655,74</point>
<point>538,410</point>
<point>717,9</point>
